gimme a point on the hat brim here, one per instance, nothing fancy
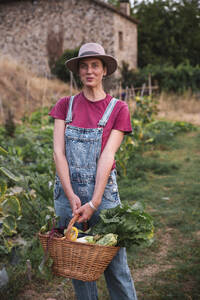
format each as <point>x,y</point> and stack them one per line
<point>109,61</point>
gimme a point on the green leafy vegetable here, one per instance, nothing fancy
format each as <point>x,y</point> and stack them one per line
<point>109,239</point>
<point>132,225</point>
<point>90,239</point>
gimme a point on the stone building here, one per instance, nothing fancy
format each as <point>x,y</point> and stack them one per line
<point>37,31</point>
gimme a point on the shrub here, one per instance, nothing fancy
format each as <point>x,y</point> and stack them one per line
<point>60,69</point>
<point>169,78</point>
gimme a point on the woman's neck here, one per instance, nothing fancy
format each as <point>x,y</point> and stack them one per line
<point>93,94</point>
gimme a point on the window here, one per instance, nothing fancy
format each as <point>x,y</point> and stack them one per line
<point>121,46</point>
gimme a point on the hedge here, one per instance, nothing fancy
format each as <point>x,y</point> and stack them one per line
<point>168,78</point>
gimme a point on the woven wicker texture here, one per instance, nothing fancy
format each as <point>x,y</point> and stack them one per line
<point>77,260</point>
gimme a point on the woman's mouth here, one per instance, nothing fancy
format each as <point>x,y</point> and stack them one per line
<point>89,78</point>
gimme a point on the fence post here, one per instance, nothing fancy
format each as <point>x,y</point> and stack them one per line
<point>143,89</point>
<point>132,91</point>
<point>150,86</point>
<point>71,82</point>
<point>126,94</point>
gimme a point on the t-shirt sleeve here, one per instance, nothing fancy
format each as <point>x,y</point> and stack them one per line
<point>59,111</point>
<point>123,120</point>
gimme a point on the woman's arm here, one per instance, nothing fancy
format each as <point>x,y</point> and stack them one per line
<point>104,167</point>
<point>62,165</point>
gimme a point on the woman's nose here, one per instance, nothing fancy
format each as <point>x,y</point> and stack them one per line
<point>89,69</point>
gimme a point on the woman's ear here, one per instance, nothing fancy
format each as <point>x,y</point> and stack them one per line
<point>104,71</point>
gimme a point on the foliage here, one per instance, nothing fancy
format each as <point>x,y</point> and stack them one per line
<point>39,117</point>
<point>161,131</point>
<point>113,2</point>
<point>60,69</point>
<point>146,109</point>
<point>164,33</point>
<point>131,77</point>
<point>147,131</point>
<point>123,155</point>
<point>10,213</point>
<point>170,79</point>
<point>132,225</point>
<point>29,157</point>
<point>173,200</point>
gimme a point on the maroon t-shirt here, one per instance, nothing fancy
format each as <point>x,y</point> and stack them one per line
<point>87,114</point>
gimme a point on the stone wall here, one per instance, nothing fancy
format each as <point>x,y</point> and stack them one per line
<point>35,31</point>
<point>127,51</point>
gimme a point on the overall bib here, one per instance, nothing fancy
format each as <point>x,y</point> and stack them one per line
<point>83,148</point>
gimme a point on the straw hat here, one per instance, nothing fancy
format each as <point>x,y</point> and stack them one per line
<point>92,50</point>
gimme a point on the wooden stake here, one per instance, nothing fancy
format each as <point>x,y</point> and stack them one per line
<point>150,86</point>
<point>71,83</point>
<point>143,89</point>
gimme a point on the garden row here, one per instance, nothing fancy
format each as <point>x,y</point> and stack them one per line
<point>27,178</point>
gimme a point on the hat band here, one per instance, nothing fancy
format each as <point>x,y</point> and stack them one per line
<point>88,53</point>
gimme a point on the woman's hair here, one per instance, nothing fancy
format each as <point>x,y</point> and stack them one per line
<point>103,63</point>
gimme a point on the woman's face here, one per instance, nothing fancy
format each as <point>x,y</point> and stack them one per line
<point>91,72</point>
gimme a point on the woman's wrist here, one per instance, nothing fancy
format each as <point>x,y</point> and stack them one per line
<point>92,206</point>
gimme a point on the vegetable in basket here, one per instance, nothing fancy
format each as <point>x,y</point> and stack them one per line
<point>50,223</point>
<point>109,239</point>
<point>132,225</point>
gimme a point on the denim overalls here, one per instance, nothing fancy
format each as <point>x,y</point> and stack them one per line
<point>83,148</point>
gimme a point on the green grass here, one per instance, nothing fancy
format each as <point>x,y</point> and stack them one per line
<point>171,191</point>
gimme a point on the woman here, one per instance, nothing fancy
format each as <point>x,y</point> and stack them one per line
<point>88,131</point>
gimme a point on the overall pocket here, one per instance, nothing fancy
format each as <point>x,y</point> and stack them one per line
<point>78,150</point>
<point>83,146</point>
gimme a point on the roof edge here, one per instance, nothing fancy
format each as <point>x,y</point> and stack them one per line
<point>112,8</point>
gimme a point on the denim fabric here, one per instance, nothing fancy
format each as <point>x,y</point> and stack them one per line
<point>83,147</point>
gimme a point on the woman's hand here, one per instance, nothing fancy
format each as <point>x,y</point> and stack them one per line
<point>85,213</point>
<point>75,203</point>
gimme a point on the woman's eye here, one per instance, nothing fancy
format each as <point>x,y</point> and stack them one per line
<point>83,66</point>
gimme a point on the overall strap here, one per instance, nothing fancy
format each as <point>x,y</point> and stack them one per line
<point>69,113</point>
<point>107,112</point>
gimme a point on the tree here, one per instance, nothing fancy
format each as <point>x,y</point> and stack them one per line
<point>113,2</point>
<point>169,32</point>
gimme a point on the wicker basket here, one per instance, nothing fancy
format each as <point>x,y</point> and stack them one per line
<point>76,260</point>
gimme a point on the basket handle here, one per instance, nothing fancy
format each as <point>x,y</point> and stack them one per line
<point>69,227</point>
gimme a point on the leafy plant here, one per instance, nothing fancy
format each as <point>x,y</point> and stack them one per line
<point>163,131</point>
<point>132,225</point>
<point>60,69</point>
<point>146,109</point>
<point>168,78</point>
<point>124,153</point>
<point>10,213</point>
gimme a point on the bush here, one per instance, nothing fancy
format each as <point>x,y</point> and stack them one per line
<point>60,69</point>
<point>168,78</point>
